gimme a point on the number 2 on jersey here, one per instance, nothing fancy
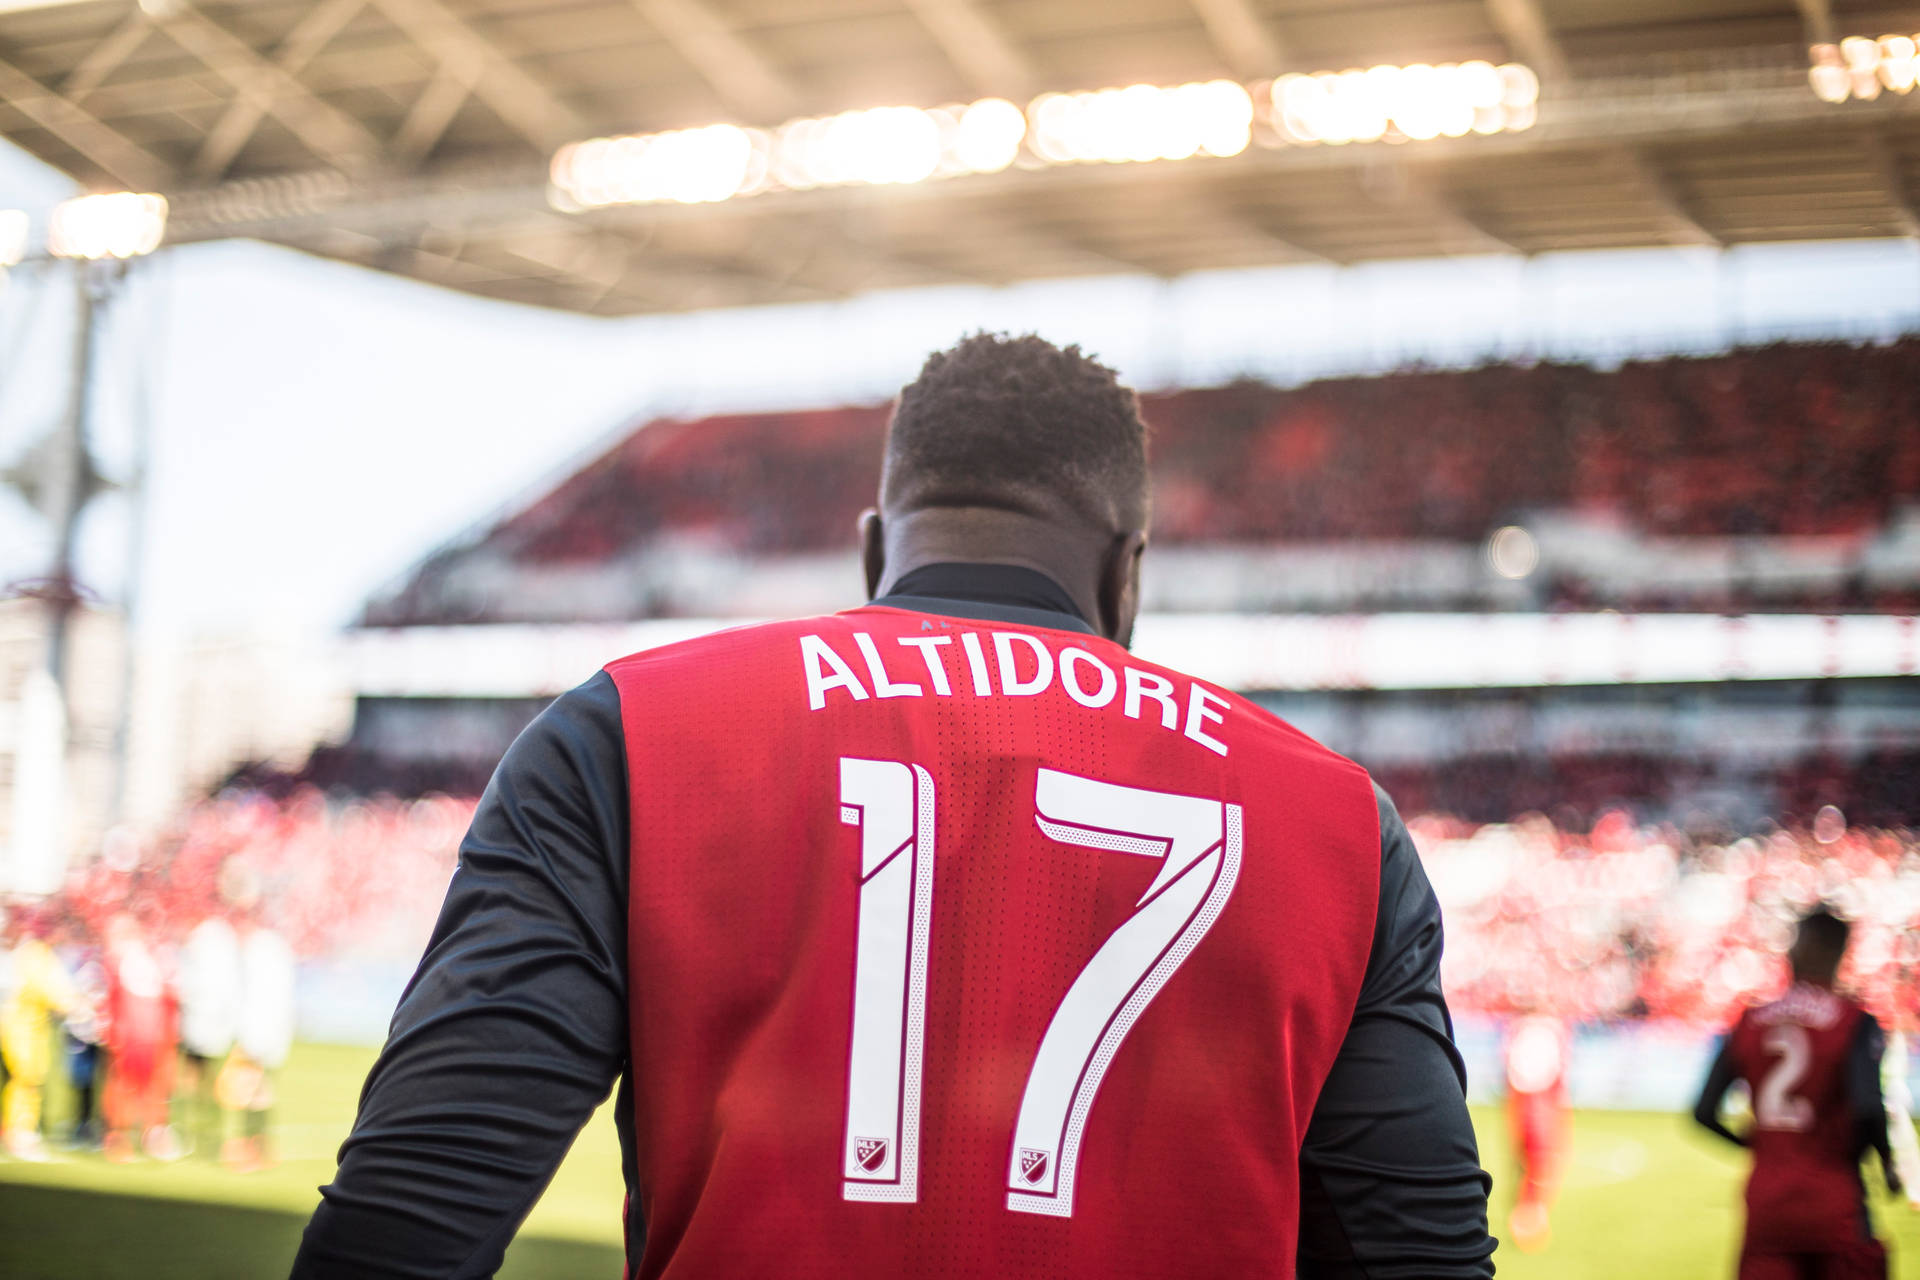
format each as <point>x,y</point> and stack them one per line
<point>1198,842</point>
<point>1776,1105</point>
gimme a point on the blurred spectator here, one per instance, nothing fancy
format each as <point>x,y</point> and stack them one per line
<point>142,1036</point>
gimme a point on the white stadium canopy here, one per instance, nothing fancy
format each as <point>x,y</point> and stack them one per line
<point>621,156</point>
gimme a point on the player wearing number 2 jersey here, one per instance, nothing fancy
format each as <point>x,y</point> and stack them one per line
<point>942,936</point>
<point>1811,1061</point>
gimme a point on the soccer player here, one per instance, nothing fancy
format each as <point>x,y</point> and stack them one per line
<point>40,991</point>
<point>142,1036</point>
<point>263,1037</point>
<point>1540,1120</point>
<point>939,936</point>
<point>1811,1062</point>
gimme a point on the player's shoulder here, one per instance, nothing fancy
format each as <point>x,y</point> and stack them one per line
<point>703,645</point>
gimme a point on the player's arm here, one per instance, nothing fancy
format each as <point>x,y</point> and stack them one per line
<point>1390,1176</point>
<point>1720,1078</point>
<point>512,1030</point>
<point>1868,1105</point>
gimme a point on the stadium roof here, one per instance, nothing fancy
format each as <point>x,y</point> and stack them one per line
<point>419,136</point>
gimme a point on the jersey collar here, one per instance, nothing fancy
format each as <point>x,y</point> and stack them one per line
<point>989,593</point>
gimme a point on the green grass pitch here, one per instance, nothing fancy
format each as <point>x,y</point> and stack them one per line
<point>1644,1197</point>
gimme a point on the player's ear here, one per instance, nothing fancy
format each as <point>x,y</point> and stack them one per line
<point>873,550</point>
<point>1120,586</point>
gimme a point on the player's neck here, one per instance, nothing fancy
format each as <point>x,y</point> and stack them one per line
<point>978,535</point>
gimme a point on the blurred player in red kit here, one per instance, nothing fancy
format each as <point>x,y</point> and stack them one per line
<point>142,1033</point>
<point>1537,1112</point>
<point>1811,1061</point>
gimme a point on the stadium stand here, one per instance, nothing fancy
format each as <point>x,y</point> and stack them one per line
<point>1643,923</point>
<point>1818,444</point>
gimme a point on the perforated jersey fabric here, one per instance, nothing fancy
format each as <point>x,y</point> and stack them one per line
<point>662,889</point>
<point>746,911</point>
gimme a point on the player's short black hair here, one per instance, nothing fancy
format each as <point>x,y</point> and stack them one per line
<point>1019,424</point>
<point>1820,941</point>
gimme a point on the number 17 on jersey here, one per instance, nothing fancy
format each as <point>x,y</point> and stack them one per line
<point>1198,842</point>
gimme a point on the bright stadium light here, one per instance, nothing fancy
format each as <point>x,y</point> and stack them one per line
<point>1135,124</point>
<point>1513,553</point>
<point>1141,122</point>
<point>13,237</point>
<point>121,224</point>
<point>877,147</point>
<point>685,166</point>
<point>1859,67</point>
<point>987,136</point>
<point>1401,104</point>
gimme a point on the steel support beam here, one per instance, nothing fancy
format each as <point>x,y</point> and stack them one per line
<point>105,58</point>
<point>976,46</point>
<point>231,133</point>
<point>734,69</point>
<point>1886,167</point>
<point>530,108</point>
<point>1524,28</point>
<point>433,111</point>
<point>1242,38</point>
<point>120,157</point>
<point>1818,17</point>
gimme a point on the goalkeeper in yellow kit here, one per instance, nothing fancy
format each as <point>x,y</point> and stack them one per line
<point>40,989</point>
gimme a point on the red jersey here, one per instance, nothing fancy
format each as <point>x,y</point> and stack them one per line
<point>142,1011</point>
<point>1536,1061</point>
<point>988,949</point>
<point>1805,1192</point>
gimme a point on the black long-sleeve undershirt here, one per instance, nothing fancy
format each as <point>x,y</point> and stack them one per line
<point>515,1028</point>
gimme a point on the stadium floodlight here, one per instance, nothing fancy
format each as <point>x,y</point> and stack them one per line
<point>120,224</point>
<point>1513,553</point>
<point>13,237</point>
<point>685,166</point>
<point>1142,122</point>
<point>1860,67</point>
<point>879,146</point>
<point>987,135</point>
<point>1136,124</point>
<point>1401,104</point>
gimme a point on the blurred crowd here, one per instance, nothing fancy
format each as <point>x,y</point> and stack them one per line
<point>160,983</point>
<point>1880,786</point>
<point>1792,439</point>
<point>1591,922</point>
<point>166,1035</point>
<point>1622,921</point>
